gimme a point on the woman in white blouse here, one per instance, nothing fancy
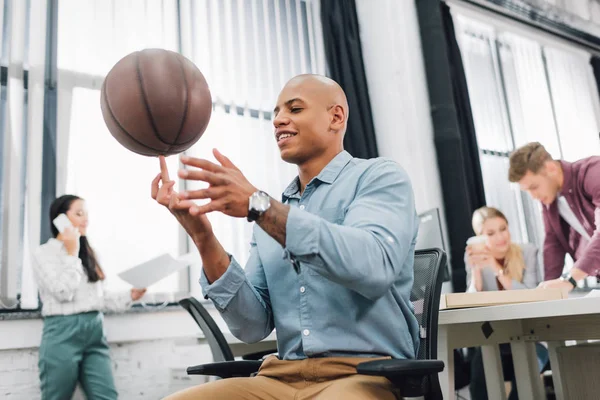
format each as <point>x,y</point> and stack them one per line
<point>499,264</point>
<point>70,282</point>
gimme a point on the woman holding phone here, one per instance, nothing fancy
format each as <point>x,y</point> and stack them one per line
<point>70,280</point>
<point>494,262</point>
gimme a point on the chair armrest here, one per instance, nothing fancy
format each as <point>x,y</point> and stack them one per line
<point>259,355</point>
<point>414,378</point>
<point>226,369</point>
<point>393,369</point>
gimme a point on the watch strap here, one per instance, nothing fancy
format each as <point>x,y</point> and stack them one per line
<point>570,279</point>
<point>252,215</point>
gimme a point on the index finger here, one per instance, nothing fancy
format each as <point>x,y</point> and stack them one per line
<point>202,164</point>
<point>164,172</point>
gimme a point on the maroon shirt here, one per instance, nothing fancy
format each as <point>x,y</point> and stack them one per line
<point>581,189</point>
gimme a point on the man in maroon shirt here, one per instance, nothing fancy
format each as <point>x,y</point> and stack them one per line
<point>570,194</point>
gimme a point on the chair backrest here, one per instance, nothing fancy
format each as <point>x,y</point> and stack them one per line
<point>218,345</point>
<point>425,296</point>
<point>431,235</point>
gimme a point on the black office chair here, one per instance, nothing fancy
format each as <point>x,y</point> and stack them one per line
<point>418,378</point>
<point>219,347</point>
<point>415,378</point>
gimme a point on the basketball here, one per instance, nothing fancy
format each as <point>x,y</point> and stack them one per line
<point>156,102</point>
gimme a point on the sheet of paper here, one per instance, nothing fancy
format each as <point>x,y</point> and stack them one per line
<point>593,293</point>
<point>152,271</point>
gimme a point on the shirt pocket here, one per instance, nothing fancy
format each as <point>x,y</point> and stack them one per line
<point>335,215</point>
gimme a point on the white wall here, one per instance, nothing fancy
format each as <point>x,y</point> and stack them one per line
<point>393,59</point>
<point>149,353</point>
<point>143,370</point>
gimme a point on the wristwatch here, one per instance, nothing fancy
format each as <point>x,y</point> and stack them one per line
<point>258,203</point>
<point>569,278</point>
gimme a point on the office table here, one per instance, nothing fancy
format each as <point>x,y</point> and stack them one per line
<point>521,325</point>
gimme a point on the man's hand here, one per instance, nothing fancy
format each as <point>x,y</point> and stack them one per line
<point>197,226</point>
<point>164,194</point>
<point>556,284</point>
<point>228,191</point>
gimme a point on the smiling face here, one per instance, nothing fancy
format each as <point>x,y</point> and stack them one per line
<point>498,236</point>
<point>309,118</point>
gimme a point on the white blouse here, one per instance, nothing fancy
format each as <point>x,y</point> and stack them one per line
<point>64,286</point>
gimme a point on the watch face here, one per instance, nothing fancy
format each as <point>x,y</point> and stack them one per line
<point>260,202</point>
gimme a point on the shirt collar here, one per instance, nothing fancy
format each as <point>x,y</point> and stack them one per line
<point>327,175</point>
<point>567,177</point>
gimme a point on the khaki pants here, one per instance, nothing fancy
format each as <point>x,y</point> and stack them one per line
<point>310,379</point>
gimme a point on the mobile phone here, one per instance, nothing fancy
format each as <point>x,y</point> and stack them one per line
<point>476,240</point>
<point>478,244</point>
<point>62,222</point>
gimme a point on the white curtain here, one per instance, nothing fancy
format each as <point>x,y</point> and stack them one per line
<point>528,87</point>
<point>575,97</point>
<point>126,226</point>
<point>246,50</point>
<point>523,90</point>
<point>477,44</point>
<point>479,51</point>
<point>22,47</point>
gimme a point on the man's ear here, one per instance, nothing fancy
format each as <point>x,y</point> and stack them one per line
<point>551,168</point>
<point>338,117</point>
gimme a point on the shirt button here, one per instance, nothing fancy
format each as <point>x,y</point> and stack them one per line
<point>306,332</point>
<point>302,207</point>
<point>302,289</point>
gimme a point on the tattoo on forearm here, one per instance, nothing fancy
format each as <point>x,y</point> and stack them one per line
<point>274,221</point>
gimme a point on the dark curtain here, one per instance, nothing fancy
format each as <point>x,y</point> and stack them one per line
<point>345,64</point>
<point>454,132</point>
<point>50,120</point>
<point>595,61</point>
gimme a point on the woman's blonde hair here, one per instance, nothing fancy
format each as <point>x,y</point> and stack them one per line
<point>514,264</point>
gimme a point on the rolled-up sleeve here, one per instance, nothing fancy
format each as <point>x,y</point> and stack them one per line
<point>367,251</point>
<point>117,301</point>
<point>242,298</point>
<point>588,262</point>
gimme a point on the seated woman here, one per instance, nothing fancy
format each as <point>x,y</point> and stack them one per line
<point>70,281</point>
<point>499,264</point>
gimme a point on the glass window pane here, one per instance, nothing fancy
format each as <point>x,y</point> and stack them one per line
<point>245,54</point>
<point>127,227</point>
<point>575,99</point>
<point>94,34</point>
<point>485,90</point>
<point>526,85</point>
<point>503,195</point>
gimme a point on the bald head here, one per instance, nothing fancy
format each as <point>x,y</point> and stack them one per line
<point>322,89</point>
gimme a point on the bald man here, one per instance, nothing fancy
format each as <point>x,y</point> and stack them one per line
<point>330,268</point>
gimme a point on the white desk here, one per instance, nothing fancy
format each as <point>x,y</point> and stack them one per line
<point>521,325</point>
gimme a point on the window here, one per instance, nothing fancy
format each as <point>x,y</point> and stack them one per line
<point>22,51</point>
<point>248,50</point>
<point>524,89</point>
<point>245,49</point>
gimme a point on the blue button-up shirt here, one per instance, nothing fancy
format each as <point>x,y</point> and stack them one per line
<point>352,234</point>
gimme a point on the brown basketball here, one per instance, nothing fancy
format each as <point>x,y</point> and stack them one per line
<point>156,102</point>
